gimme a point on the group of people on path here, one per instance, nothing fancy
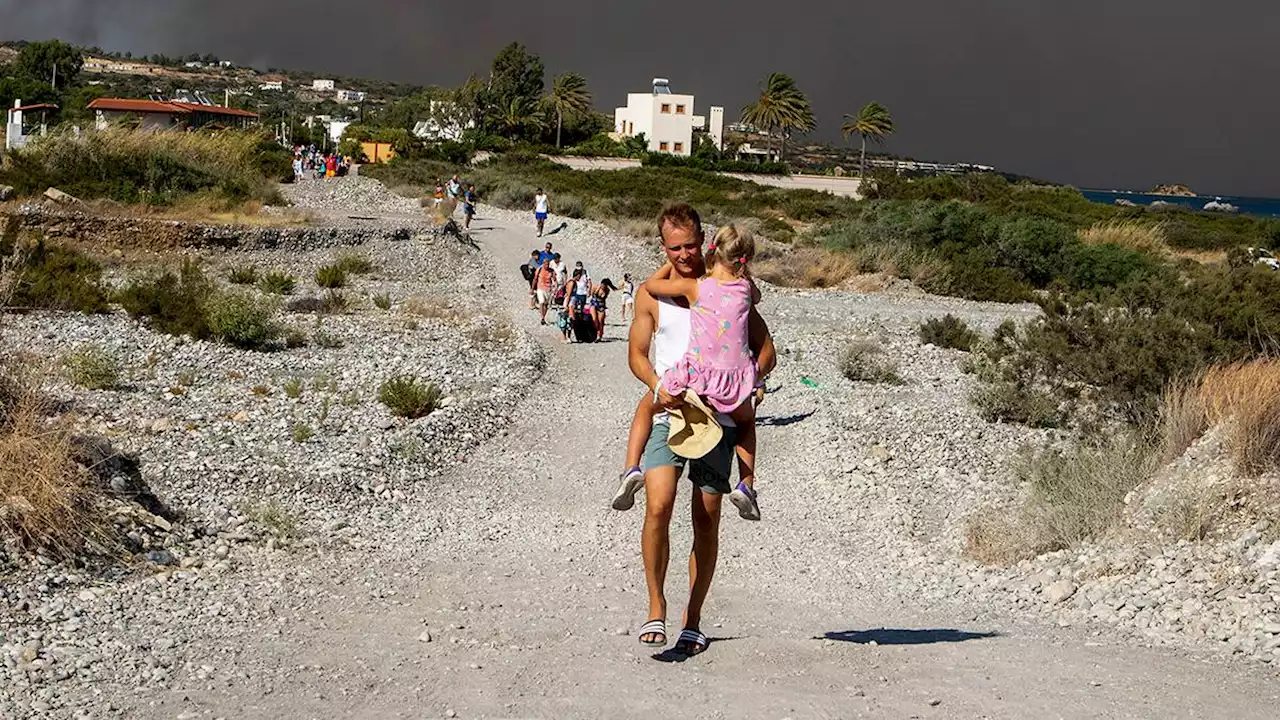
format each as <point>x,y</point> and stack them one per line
<point>320,165</point>
<point>581,304</point>
<point>454,193</point>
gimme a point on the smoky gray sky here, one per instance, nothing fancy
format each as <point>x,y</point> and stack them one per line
<point>1097,93</point>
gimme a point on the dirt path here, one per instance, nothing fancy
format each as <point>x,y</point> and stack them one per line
<point>530,591</point>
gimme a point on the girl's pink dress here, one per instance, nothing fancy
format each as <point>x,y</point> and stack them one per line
<point>718,365</point>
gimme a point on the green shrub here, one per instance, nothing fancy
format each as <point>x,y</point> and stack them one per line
<point>331,276</point>
<point>244,320</point>
<point>93,367</point>
<point>382,301</point>
<point>406,397</point>
<point>334,302</point>
<point>302,432</point>
<point>277,283</point>
<point>354,264</point>
<point>305,304</point>
<point>53,277</point>
<point>292,388</point>
<point>247,275</point>
<point>948,331</point>
<point>865,361</point>
<point>294,338</point>
<point>172,304</point>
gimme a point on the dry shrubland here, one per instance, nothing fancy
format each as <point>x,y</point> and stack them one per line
<point>1131,234</point>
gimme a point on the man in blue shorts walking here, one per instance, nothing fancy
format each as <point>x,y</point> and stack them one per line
<point>540,209</point>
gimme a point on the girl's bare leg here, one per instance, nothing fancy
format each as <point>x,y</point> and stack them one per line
<point>641,426</point>
<point>745,418</point>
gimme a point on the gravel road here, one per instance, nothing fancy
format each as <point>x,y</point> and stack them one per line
<point>504,586</point>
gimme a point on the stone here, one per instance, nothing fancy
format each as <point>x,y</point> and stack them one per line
<point>1059,591</point>
<point>60,197</point>
<point>424,637</point>
<point>161,557</point>
<point>6,192</point>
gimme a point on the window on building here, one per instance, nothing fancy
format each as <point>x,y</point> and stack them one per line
<point>679,147</point>
<point>679,109</point>
<point>662,146</point>
<point>666,108</point>
<point>631,128</point>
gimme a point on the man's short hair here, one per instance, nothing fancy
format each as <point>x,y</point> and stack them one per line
<point>681,215</point>
<point>556,256</point>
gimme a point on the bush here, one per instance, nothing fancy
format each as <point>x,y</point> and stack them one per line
<point>247,275</point>
<point>334,302</point>
<point>406,397</point>
<point>48,500</point>
<point>805,267</point>
<point>93,367</point>
<point>53,277</point>
<point>864,361</point>
<point>244,320</point>
<point>1244,397</point>
<point>277,283</point>
<point>305,304</point>
<point>382,301</point>
<point>137,166</point>
<point>948,331</point>
<point>1131,234</point>
<point>1072,496</point>
<point>331,276</point>
<point>353,263</point>
<point>302,432</point>
<point>172,304</point>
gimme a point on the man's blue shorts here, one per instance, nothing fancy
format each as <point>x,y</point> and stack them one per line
<point>540,216</point>
<point>709,473</point>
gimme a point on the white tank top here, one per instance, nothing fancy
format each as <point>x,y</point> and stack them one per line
<point>670,342</point>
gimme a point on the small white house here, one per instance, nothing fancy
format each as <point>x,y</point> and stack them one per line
<point>349,96</point>
<point>322,85</point>
<point>272,85</point>
<point>18,127</point>
<point>665,119</point>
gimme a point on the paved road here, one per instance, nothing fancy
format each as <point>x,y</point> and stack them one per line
<point>843,186</point>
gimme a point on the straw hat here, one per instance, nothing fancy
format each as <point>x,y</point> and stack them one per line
<point>694,430</point>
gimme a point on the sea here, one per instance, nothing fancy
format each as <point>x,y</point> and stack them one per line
<point>1265,207</point>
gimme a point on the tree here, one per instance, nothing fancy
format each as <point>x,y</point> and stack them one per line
<point>52,62</point>
<point>517,117</point>
<point>569,96</point>
<point>515,73</point>
<point>782,107</point>
<point>874,122</point>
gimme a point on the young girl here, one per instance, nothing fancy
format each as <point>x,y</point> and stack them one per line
<point>718,365</point>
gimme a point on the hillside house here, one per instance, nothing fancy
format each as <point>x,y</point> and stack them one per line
<point>665,119</point>
<point>19,125</point>
<point>162,115</point>
<point>322,85</point>
<point>349,96</point>
<point>274,85</point>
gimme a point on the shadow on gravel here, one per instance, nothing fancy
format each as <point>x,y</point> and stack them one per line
<point>903,636</point>
<point>557,229</point>
<point>775,421</point>
<point>671,655</point>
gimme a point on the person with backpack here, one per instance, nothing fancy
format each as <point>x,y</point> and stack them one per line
<point>528,270</point>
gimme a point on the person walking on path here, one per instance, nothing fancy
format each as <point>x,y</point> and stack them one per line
<point>664,326</point>
<point>544,282</point>
<point>628,297</point>
<point>468,206</point>
<point>530,272</point>
<point>541,206</point>
<point>597,305</point>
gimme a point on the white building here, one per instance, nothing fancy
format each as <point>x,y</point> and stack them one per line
<point>272,85</point>
<point>665,119</point>
<point>322,85</point>
<point>445,123</point>
<point>18,125</point>
<point>349,96</point>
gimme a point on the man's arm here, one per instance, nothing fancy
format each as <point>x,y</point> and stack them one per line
<point>761,343</point>
<point>642,328</point>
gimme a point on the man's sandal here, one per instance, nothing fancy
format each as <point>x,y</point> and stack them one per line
<point>654,627</point>
<point>692,642</point>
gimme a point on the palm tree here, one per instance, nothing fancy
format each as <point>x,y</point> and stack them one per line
<point>569,96</point>
<point>781,106</point>
<point>517,116</point>
<point>874,122</point>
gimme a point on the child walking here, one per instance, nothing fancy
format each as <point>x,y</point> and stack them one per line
<point>718,364</point>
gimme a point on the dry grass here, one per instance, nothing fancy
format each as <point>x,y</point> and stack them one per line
<point>864,360</point>
<point>1071,497</point>
<point>47,499</point>
<point>1245,398</point>
<point>1132,234</point>
<point>806,267</point>
<point>208,209</point>
<point>1204,257</point>
<point>433,308</point>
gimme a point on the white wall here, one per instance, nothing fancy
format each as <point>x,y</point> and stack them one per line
<point>643,114</point>
<point>716,127</point>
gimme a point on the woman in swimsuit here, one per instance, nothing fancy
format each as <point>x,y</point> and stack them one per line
<point>597,305</point>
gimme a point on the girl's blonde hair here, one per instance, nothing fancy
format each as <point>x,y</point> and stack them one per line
<point>733,246</point>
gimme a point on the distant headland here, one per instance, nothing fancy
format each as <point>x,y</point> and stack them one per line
<point>1175,189</point>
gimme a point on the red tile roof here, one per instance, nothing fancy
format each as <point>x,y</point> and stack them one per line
<point>38,106</point>
<point>168,108</point>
